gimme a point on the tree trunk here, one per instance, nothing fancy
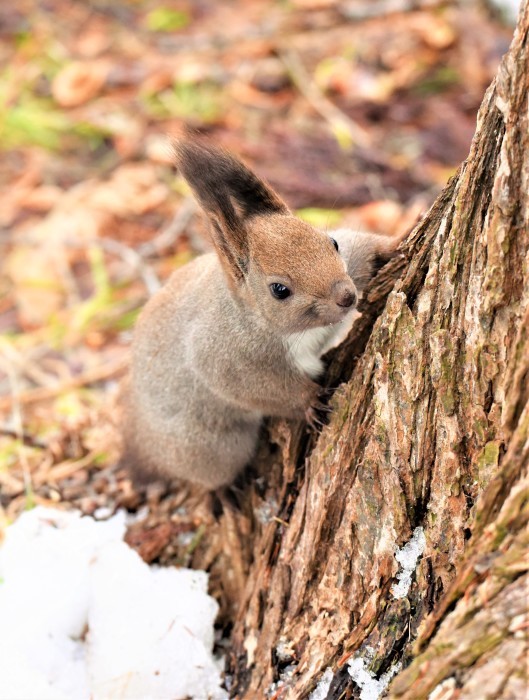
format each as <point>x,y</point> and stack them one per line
<point>429,429</point>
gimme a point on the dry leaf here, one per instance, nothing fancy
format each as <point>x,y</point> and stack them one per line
<point>42,198</point>
<point>158,149</point>
<point>133,189</point>
<point>79,82</point>
<point>381,216</point>
<point>37,289</point>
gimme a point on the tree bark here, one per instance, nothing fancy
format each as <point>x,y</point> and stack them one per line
<point>429,429</point>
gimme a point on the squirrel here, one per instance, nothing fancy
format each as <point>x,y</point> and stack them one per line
<point>238,334</point>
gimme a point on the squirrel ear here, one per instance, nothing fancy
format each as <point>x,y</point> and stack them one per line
<point>229,193</point>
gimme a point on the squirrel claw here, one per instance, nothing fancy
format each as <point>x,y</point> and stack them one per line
<point>314,417</point>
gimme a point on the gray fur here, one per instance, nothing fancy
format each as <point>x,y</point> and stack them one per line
<point>213,351</point>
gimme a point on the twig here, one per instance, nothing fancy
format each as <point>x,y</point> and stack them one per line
<point>135,260</point>
<point>125,252</point>
<point>342,126</point>
<point>64,470</point>
<point>11,483</point>
<point>170,233</point>
<point>43,393</point>
<point>26,438</point>
<point>18,422</point>
<point>26,366</point>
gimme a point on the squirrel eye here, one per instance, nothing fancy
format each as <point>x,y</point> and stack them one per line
<point>279,291</point>
<point>335,244</point>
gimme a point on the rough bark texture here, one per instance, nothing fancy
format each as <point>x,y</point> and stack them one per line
<point>429,428</point>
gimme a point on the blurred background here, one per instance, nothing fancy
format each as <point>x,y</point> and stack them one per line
<point>357,112</point>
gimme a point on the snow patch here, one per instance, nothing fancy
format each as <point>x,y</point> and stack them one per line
<point>285,681</point>
<point>84,617</point>
<point>321,691</point>
<point>284,650</point>
<point>371,688</point>
<point>408,556</point>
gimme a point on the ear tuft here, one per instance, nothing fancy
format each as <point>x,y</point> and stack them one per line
<point>229,193</point>
<point>216,177</point>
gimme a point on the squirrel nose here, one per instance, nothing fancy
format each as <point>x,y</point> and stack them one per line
<point>346,299</point>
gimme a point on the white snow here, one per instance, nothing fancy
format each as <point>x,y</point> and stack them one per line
<point>284,649</point>
<point>408,556</point>
<point>371,688</point>
<point>83,617</point>
<point>321,691</point>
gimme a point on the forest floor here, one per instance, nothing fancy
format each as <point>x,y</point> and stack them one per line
<point>357,118</point>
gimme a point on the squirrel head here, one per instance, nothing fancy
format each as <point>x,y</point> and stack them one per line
<point>284,269</point>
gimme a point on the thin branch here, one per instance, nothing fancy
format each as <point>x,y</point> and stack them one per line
<point>110,245</point>
<point>135,260</point>
<point>343,127</point>
<point>91,376</point>
<point>65,469</point>
<point>172,231</point>
<point>18,422</point>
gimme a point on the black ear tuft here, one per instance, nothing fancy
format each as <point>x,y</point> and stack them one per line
<point>217,177</point>
<point>229,193</point>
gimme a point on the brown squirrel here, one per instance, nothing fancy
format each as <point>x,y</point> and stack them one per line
<point>238,334</point>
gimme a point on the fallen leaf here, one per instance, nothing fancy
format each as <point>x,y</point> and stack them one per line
<point>133,189</point>
<point>42,198</point>
<point>158,149</point>
<point>381,216</point>
<point>37,290</point>
<point>79,82</point>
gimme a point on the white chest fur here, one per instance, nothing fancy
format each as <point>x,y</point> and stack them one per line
<point>307,347</point>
